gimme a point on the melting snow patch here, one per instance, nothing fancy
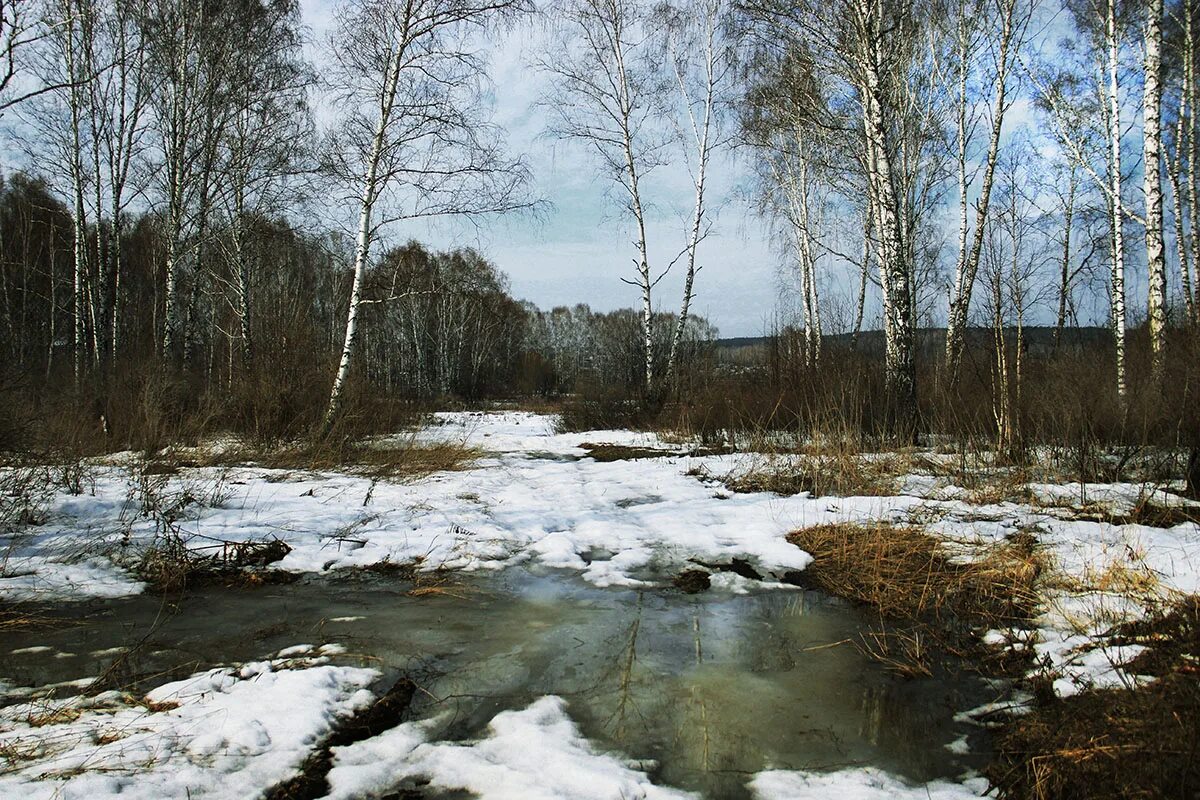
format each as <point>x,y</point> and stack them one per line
<point>534,754</point>
<point>222,733</point>
<point>858,784</point>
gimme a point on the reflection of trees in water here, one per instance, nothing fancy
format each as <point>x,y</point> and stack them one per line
<point>621,671</point>
<point>874,702</point>
<point>697,709</point>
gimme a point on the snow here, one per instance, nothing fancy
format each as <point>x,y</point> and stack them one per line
<point>857,784</point>
<point>229,732</point>
<point>536,498</point>
<point>46,577</point>
<point>536,753</point>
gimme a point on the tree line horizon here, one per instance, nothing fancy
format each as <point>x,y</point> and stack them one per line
<point>973,158</point>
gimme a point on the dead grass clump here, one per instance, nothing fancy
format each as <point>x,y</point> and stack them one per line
<point>1138,742</point>
<point>1145,512</point>
<point>822,475</point>
<point>906,575</point>
<point>53,716</point>
<point>605,452</point>
<point>171,566</point>
<point>380,460</point>
<point>1003,486</point>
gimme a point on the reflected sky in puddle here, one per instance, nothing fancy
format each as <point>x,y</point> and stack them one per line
<point>705,690</point>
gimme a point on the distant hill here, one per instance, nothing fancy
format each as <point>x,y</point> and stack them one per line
<point>1038,339</point>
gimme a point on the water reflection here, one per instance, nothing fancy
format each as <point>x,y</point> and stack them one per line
<point>706,690</point>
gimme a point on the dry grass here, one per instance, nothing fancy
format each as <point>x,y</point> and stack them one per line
<point>12,619</point>
<point>842,475</point>
<point>53,716</point>
<point>930,605</point>
<point>1116,743</point>
<point>382,460</point>
<point>904,573</point>
<point>1145,512</point>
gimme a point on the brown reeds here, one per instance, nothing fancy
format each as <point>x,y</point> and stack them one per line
<point>1131,742</point>
<point>905,574</point>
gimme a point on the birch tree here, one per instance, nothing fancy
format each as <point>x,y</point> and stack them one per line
<point>885,111</point>
<point>1003,47</point>
<point>1115,199</point>
<point>1084,115</point>
<point>265,150</point>
<point>411,139</point>
<point>782,124</point>
<point>63,146</point>
<point>701,63</point>
<point>22,28</point>
<point>1177,157</point>
<point>872,47</point>
<point>1152,184</point>
<point>118,118</point>
<point>605,96</point>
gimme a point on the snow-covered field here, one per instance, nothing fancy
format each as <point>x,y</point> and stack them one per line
<point>534,498</point>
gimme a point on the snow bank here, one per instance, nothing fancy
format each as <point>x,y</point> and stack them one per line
<point>537,753</point>
<point>534,497</point>
<point>857,784</point>
<point>230,732</point>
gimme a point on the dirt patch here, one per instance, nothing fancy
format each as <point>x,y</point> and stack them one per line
<point>605,452</point>
<point>738,566</point>
<point>1116,743</point>
<point>382,460</point>
<point>692,581</point>
<point>384,714</point>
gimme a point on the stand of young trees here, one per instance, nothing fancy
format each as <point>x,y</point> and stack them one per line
<point>874,123</point>
<point>181,214</point>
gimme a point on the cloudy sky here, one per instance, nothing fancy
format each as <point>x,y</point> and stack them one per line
<point>581,246</point>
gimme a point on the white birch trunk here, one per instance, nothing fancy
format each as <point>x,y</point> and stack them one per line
<point>895,269</point>
<point>1152,187</point>
<point>1178,211</point>
<point>970,265</point>
<point>1116,206</point>
<point>362,245</point>
<point>701,134</point>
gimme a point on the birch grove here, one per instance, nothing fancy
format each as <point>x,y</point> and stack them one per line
<point>207,212</point>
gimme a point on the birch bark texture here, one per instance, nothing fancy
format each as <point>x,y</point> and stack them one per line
<point>1156,263</point>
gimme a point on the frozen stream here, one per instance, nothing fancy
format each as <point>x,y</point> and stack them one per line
<point>700,692</point>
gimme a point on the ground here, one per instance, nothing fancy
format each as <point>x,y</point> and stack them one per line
<point>533,496</point>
